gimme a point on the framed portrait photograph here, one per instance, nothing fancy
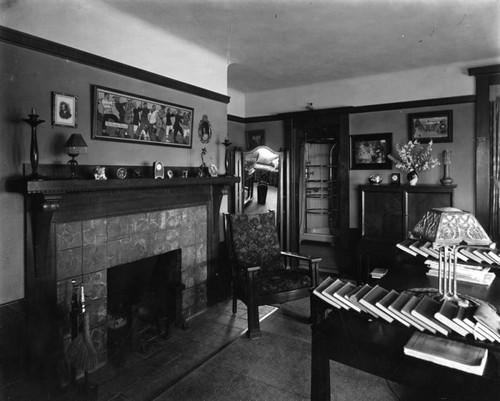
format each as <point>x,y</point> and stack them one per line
<point>64,111</point>
<point>434,125</point>
<point>125,117</point>
<point>255,138</point>
<point>370,151</point>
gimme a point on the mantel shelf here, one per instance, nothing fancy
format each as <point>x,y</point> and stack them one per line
<point>71,186</point>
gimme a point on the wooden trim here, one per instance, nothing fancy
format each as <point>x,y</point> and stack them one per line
<point>235,119</point>
<point>482,151</point>
<point>51,48</point>
<point>488,70</point>
<point>443,101</point>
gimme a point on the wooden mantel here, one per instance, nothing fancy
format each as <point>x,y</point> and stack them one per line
<point>63,200</point>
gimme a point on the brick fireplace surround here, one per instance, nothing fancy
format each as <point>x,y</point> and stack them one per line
<point>78,229</point>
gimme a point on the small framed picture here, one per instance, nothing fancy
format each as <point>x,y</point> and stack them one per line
<point>434,125</point>
<point>255,138</point>
<point>370,151</point>
<point>395,178</point>
<point>64,110</point>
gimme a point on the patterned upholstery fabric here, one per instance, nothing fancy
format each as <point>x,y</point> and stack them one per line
<point>256,243</point>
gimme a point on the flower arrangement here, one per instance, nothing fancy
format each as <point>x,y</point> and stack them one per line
<point>414,156</point>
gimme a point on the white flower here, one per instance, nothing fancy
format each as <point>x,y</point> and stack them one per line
<point>414,157</point>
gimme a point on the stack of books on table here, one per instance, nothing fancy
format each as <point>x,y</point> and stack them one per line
<point>465,272</point>
<point>412,309</point>
<point>453,354</point>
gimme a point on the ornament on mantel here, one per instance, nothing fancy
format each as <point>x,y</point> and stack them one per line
<point>446,180</point>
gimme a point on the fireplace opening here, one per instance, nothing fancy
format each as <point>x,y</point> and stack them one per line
<point>144,301</point>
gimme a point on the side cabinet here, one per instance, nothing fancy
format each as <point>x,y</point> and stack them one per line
<point>388,213</point>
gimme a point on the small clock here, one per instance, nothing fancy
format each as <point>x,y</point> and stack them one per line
<point>395,178</point>
<point>159,172</point>
<point>121,173</point>
<point>213,170</point>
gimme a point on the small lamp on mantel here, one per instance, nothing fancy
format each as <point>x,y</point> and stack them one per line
<point>450,229</point>
<point>74,146</point>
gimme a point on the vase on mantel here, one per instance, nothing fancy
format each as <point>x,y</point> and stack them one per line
<point>446,180</point>
<point>412,177</point>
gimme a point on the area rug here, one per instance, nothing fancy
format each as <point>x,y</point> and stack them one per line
<point>277,366</point>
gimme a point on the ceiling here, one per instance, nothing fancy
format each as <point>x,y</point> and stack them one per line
<point>272,44</point>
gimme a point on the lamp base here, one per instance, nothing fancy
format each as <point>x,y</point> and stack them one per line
<point>73,166</point>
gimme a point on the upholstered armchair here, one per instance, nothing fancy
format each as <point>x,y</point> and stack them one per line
<point>261,273</point>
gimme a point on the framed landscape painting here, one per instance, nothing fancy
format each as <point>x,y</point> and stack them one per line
<point>125,117</point>
<point>435,125</point>
<point>370,151</point>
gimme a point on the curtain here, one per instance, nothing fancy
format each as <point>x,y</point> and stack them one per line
<point>495,171</point>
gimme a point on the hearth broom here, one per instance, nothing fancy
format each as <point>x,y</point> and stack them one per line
<point>81,352</point>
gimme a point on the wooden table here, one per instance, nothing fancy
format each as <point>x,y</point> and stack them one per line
<point>375,346</point>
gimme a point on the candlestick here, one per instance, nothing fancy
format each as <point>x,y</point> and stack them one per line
<point>33,121</point>
<point>226,144</point>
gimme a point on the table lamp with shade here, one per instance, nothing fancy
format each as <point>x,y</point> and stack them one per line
<point>449,230</point>
<point>75,146</point>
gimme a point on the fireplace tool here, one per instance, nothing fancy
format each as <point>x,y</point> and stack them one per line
<point>81,352</point>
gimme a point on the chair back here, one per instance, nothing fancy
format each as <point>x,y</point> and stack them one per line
<point>252,240</point>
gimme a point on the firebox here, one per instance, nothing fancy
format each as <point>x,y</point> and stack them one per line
<point>144,301</point>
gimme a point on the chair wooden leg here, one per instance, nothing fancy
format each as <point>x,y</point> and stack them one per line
<point>253,321</point>
<point>235,304</point>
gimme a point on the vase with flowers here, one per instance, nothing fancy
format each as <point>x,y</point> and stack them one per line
<point>413,157</point>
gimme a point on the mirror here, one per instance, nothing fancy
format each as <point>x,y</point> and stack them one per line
<point>261,186</point>
<point>261,180</point>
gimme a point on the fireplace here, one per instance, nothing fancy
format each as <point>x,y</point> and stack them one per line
<point>83,230</point>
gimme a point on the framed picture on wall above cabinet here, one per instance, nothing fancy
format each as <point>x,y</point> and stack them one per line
<point>64,112</point>
<point>125,117</point>
<point>434,125</point>
<point>370,151</point>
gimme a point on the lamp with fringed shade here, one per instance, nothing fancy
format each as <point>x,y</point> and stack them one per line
<point>73,147</point>
<point>450,229</point>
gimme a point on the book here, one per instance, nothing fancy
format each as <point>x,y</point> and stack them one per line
<point>318,291</point>
<point>468,251</point>
<point>487,316</point>
<point>427,248</point>
<point>425,311</point>
<point>357,295</point>
<point>459,319</point>
<point>486,279</point>
<point>471,322</point>
<point>408,308</point>
<point>456,355</point>
<point>332,289</point>
<point>340,295</point>
<point>445,315</point>
<point>461,267</point>
<point>378,272</point>
<point>495,255</point>
<point>386,301</point>
<point>398,305</point>
<point>370,300</point>
<point>415,246</point>
<point>481,329</point>
<point>482,254</point>
<point>405,246</point>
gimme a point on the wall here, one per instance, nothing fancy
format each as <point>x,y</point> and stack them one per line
<point>395,121</point>
<point>424,83</point>
<point>28,79</point>
<point>111,29</point>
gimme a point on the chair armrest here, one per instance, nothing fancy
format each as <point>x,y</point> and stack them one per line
<point>301,257</point>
